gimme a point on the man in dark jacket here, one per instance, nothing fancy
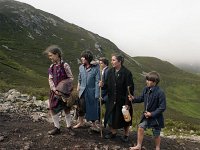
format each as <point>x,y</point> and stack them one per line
<point>154,106</point>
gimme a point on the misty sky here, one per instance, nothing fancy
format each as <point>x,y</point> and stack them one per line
<point>166,29</point>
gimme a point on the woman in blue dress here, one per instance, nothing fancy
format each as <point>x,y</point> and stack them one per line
<point>88,88</point>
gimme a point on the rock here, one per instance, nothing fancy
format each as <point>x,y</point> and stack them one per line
<point>1,138</point>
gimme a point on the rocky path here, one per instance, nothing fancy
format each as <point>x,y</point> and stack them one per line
<point>24,125</point>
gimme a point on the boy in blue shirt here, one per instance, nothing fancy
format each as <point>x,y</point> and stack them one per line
<point>154,105</point>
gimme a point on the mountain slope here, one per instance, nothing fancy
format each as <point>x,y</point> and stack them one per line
<point>24,34</point>
<point>182,88</point>
<point>26,31</point>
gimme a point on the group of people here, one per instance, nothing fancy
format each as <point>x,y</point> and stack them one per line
<point>117,90</point>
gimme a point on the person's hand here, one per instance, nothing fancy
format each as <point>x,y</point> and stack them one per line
<point>147,114</point>
<point>56,92</point>
<point>101,83</point>
<point>130,97</point>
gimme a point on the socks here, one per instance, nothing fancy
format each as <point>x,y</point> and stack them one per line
<point>68,120</point>
<point>56,121</point>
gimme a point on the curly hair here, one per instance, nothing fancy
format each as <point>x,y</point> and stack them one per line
<point>87,54</point>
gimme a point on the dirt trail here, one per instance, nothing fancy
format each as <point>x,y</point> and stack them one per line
<point>20,132</point>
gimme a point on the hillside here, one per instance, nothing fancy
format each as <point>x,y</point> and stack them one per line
<point>182,89</point>
<point>193,67</point>
<point>26,31</point>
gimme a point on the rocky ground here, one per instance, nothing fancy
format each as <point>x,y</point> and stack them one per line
<point>24,125</point>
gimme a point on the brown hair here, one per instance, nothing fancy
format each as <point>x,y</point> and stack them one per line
<point>119,57</point>
<point>153,76</point>
<point>104,60</point>
<point>54,49</point>
<point>87,54</point>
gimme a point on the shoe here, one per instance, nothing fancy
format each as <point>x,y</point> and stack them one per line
<point>54,131</point>
<point>124,138</point>
<point>110,136</point>
<point>70,131</point>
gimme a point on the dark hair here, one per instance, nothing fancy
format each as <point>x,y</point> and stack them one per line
<point>54,49</point>
<point>119,58</point>
<point>153,76</point>
<point>104,60</point>
<point>87,54</point>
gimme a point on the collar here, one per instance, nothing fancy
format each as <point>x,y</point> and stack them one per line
<point>104,68</point>
<point>150,89</point>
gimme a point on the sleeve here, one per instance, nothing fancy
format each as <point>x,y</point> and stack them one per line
<point>68,71</point>
<point>162,105</point>
<point>130,83</point>
<point>79,76</point>
<point>130,86</point>
<point>50,79</point>
<point>97,78</point>
<point>140,99</point>
<point>79,80</point>
<point>105,82</point>
<point>105,76</point>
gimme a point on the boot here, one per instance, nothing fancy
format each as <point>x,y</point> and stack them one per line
<point>54,131</point>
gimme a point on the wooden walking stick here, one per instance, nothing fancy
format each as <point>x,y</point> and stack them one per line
<point>100,102</point>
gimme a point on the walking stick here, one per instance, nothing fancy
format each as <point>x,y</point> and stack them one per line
<point>100,101</point>
<point>129,93</point>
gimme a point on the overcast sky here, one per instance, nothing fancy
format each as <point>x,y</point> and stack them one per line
<point>166,29</point>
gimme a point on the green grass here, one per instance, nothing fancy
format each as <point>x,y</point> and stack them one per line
<point>24,67</point>
<point>184,99</point>
<point>173,127</point>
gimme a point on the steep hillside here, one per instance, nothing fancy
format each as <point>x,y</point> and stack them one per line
<point>24,34</point>
<point>182,89</point>
<point>26,31</point>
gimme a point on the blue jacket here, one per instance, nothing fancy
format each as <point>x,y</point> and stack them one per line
<point>155,102</point>
<point>89,90</point>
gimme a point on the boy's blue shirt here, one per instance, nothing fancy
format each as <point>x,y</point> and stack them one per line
<point>154,101</point>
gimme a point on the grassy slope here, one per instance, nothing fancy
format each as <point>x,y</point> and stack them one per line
<point>23,64</point>
<point>25,68</point>
<point>182,89</point>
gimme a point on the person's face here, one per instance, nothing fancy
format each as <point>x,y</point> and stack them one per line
<point>53,57</point>
<point>150,83</point>
<point>102,65</point>
<point>115,63</point>
<point>84,61</point>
